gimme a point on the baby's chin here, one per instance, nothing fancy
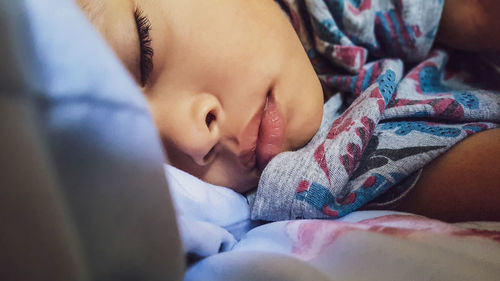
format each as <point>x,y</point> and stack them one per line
<point>246,188</point>
<point>240,183</point>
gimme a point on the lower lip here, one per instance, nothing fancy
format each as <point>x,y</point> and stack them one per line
<point>271,133</point>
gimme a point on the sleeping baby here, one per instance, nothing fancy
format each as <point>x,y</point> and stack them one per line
<point>318,108</point>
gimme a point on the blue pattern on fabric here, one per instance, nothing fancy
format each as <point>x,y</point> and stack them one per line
<point>430,80</point>
<point>356,3</point>
<point>327,31</point>
<point>366,79</point>
<point>467,99</point>
<point>385,31</point>
<point>387,85</point>
<point>336,7</point>
<point>432,33</point>
<point>392,16</point>
<point>421,114</point>
<point>404,128</point>
<point>320,197</point>
<point>316,196</point>
<point>476,128</point>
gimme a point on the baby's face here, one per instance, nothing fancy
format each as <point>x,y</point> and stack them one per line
<point>231,85</point>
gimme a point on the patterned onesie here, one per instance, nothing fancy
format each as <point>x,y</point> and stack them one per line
<point>397,121</point>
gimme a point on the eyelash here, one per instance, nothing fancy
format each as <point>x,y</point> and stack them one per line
<point>146,50</point>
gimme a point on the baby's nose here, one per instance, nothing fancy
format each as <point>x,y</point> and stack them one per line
<point>206,115</point>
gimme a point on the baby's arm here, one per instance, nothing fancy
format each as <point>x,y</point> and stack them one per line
<point>471,25</point>
<point>462,184</point>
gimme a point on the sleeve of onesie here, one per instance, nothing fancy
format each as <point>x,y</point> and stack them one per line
<point>348,32</point>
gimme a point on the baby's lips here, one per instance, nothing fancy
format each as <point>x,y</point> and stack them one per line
<point>271,133</point>
<point>248,140</point>
<point>267,153</point>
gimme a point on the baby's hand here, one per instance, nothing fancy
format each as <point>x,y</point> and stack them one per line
<point>472,25</point>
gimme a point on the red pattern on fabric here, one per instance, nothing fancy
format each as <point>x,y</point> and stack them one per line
<point>369,126</point>
<point>349,54</point>
<point>329,212</point>
<point>443,107</point>
<point>404,32</point>
<point>394,36</point>
<point>319,156</point>
<point>375,72</point>
<point>349,199</point>
<point>363,6</point>
<point>311,237</point>
<point>369,182</point>
<point>375,93</point>
<point>359,83</point>
<point>347,82</point>
<point>338,128</point>
<point>303,186</point>
<point>416,30</point>
<point>295,19</point>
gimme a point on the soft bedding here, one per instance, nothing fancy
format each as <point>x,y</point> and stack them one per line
<point>83,104</point>
<point>211,218</point>
<point>364,245</point>
<point>83,192</point>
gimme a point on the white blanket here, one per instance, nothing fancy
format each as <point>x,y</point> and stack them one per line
<point>211,218</point>
<point>364,245</point>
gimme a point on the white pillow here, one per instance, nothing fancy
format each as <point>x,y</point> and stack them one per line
<point>70,108</point>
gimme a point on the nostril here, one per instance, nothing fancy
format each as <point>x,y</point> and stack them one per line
<point>209,119</point>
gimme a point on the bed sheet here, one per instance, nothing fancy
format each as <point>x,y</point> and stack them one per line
<point>364,245</point>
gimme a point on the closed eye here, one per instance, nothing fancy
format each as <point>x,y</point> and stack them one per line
<point>145,44</point>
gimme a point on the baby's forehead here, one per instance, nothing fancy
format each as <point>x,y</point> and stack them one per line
<point>92,8</point>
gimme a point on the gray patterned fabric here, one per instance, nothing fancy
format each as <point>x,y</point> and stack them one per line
<point>409,105</point>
